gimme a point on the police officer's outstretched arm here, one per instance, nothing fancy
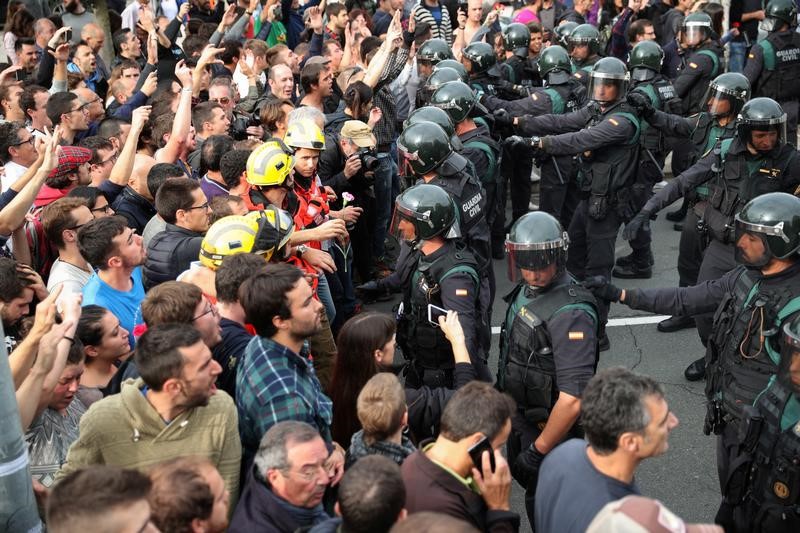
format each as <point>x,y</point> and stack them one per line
<point>613,130</point>
<point>698,173</point>
<point>554,124</point>
<point>521,106</point>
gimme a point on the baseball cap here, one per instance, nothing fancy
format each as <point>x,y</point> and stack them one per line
<point>637,514</point>
<point>359,133</point>
<point>69,159</point>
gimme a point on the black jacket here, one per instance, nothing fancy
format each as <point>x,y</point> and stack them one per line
<point>169,253</point>
<point>136,209</point>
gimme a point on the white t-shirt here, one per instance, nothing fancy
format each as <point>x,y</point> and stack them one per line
<point>13,172</point>
<point>71,277</point>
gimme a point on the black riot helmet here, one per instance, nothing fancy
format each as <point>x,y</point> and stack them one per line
<point>789,366</point>
<point>645,60</point>
<point>696,28</point>
<point>555,66</point>
<point>455,65</point>
<point>517,38</point>
<point>429,210</point>
<point>424,147</point>
<point>481,57</point>
<point>761,114</point>
<point>774,218</point>
<point>585,34</point>
<point>431,114</point>
<point>607,73</point>
<point>778,13</point>
<point>439,77</point>
<point>727,94</point>
<point>434,50</point>
<point>562,32</point>
<point>536,241</point>
<point>456,98</point>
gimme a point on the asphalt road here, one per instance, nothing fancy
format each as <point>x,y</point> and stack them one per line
<point>684,478</point>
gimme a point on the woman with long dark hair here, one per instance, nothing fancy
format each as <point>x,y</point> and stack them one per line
<point>366,346</point>
<point>19,26</point>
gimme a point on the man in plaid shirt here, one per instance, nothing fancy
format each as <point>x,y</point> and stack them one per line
<point>276,379</point>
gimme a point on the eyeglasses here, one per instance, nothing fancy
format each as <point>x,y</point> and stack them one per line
<point>308,473</point>
<point>204,206</point>
<point>26,141</point>
<point>112,160</point>
<point>222,101</point>
<point>87,104</point>
<point>76,228</point>
<point>105,209</point>
<point>210,309</point>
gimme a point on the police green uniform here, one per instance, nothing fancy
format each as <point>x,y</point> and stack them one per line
<point>548,342</point>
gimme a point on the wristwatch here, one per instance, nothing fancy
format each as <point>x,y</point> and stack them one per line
<point>301,250</point>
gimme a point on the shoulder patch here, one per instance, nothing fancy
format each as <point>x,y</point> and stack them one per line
<point>578,75</point>
<point>751,56</point>
<point>575,335</point>
<point>613,121</point>
<point>534,96</point>
<point>692,64</point>
<point>462,292</point>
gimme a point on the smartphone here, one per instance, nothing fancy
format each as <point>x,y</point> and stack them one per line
<point>19,75</point>
<point>434,313</point>
<point>250,59</point>
<point>68,36</point>
<point>476,453</point>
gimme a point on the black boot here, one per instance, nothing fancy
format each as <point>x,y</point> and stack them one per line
<point>632,271</point>
<point>675,323</point>
<point>677,215</point>
<point>696,371</point>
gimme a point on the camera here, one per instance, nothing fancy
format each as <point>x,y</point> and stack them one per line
<point>367,158</point>
<point>239,125</point>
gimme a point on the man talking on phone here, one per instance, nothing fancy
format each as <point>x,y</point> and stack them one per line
<point>445,277</point>
<point>548,345</point>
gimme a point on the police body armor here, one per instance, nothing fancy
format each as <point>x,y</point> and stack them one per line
<point>484,84</point>
<point>581,71</point>
<point>770,496</point>
<point>429,352</point>
<point>490,181</point>
<point>454,176</point>
<point>694,101</point>
<point>737,179</point>
<point>608,175</point>
<point>739,360</point>
<point>663,97</point>
<point>780,75</point>
<point>566,97</point>
<point>527,370</point>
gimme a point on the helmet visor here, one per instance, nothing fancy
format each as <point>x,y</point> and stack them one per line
<point>789,368</point>
<point>764,135</point>
<point>535,256</point>
<point>746,252</point>
<point>694,34</point>
<point>642,74</point>
<point>402,226</point>
<point>720,103</point>
<point>606,90</point>
<point>770,24</point>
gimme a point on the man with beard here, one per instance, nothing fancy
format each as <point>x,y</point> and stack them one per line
<point>276,380</point>
<point>172,410</point>
<point>117,253</point>
<point>75,15</point>
<point>18,284</point>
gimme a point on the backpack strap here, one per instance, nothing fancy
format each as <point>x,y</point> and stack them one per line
<point>789,309</point>
<point>714,59</point>
<point>635,121</point>
<point>464,269</point>
<point>556,102</point>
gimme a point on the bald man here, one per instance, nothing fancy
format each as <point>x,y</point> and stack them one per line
<point>281,81</point>
<point>94,36</point>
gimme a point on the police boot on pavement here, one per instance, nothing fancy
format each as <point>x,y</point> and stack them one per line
<point>548,346</point>
<point>605,134</point>
<point>725,97</point>
<point>750,305</point>
<point>764,491</point>
<point>445,278</point>
<point>773,64</point>
<point>646,78</point>
<point>756,161</point>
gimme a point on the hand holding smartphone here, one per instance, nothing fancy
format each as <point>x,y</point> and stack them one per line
<point>476,453</point>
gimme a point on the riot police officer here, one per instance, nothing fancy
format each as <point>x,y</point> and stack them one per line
<point>756,161</point>
<point>478,58</point>
<point>430,53</point>
<point>584,49</point>
<point>459,101</point>
<point>725,97</point>
<point>438,77</point>
<point>773,64</point>
<point>445,277</point>
<point>562,31</point>
<point>750,305</point>
<point>646,78</point>
<point>764,489</point>
<point>562,94</point>
<point>548,345</point>
<point>516,39</point>
<point>606,135</point>
<point>701,65</point>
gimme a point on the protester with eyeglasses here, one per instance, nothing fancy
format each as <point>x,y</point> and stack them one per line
<point>184,207</point>
<point>17,151</point>
<point>94,199</point>
<point>183,303</point>
<point>61,220</point>
<point>67,110</point>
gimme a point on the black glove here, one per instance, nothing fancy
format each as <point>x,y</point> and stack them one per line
<point>641,102</point>
<point>503,118</point>
<point>515,141</point>
<point>526,467</point>
<point>601,288</point>
<point>640,223</point>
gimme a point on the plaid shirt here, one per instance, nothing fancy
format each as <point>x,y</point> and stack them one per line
<point>274,384</point>
<point>385,130</point>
